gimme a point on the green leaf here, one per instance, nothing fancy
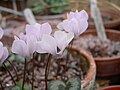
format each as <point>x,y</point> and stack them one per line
<point>16,88</point>
<point>56,85</point>
<point>73,83</point>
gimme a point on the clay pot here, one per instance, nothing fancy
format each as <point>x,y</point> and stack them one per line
<point>89,80</point>
<point>116,87</point>
<point>112,14</point>
<point>107,66</point>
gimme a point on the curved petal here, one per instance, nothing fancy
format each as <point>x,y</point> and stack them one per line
<point>71,15</point>
<point>5,55</point>
<point>22,36</point>
<point>31,41</point>
<point>40,47</point>
<point>66,41</point>
<point>60,26</point>
<point>20,47</point>
<point>71,26</point>
<point>75,26</point>
<point>83,25</point>
<point>63,41</point>
<point>67,25</point>
<point>48,45</point>
<point>60,37</point>
<point>83,15</point>
<point>1,50</point>
<point>1,33</point>
<point>46,28</point>
<point>32,29</point>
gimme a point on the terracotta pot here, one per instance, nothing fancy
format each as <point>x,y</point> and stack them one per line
<point>89,80</point>
<point>107,66</point>
<point>116,87</point>
<point>110,13</point>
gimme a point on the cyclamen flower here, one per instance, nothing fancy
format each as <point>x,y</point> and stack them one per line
<point>24,47</point>
<point>3,53</point>
<point>38,30</point>
<point>3,50</point>
<point>76,22</point>
<point>49,44</point>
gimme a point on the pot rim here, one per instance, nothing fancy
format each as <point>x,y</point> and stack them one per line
<point>105,58</point>
<point>110,10</point>
<point>114,86</point>
<point>91,70</point>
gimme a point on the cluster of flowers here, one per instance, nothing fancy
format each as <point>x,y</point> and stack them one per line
<point>38,37</point>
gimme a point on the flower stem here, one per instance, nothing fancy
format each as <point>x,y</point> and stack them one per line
<point>33,70</point>
<point>9,73</point>
<point>24,74</point>
<point>14,69</point>
<point>2,88</point>
<point>47,70</point>
<point>70,46</point>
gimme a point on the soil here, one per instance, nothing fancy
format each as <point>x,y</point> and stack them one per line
<point>58,70</point>
<point>98,48</point>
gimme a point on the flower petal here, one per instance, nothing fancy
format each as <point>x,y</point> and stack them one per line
<point>32,29</point>
<point>71,15</point>
<point>1,33</point>
<point>31,41</point>
<point>60,26</point>
<point>63,41</point>
<point>83,15</point>
<point>48,45</point>
<point>46,28</point>
<point>5,55</point>
<point>83,25</point>
<point>20,47</point>
<point>66,25</point>
<point>1,50</point>
<point>60,37</point>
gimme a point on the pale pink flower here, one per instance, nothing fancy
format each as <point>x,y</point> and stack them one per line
<point>63,39</point>
<point>3,53</point>
<point>26,47</point>
<point>54,45</point>
<point>38,30</point>
<point>76,22</point>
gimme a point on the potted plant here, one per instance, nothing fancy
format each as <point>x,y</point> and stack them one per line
<point>105,55</point>
<point>49,70</point>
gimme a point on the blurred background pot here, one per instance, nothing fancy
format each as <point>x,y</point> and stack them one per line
<point>116,87</point>
<point>110,18</point>
<point>106,66</point>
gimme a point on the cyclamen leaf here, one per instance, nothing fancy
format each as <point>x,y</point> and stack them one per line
<point>56,85</point>
<point>73,83</point>
<point>16,88</point>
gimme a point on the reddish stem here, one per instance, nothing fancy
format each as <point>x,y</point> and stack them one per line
<point>70,46</point>
<point>9,73</point>
<point>33,71</point>
<point>24,74</point>
<point>2,88</point>
<point>47,70</point>
<point>14,69</point>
